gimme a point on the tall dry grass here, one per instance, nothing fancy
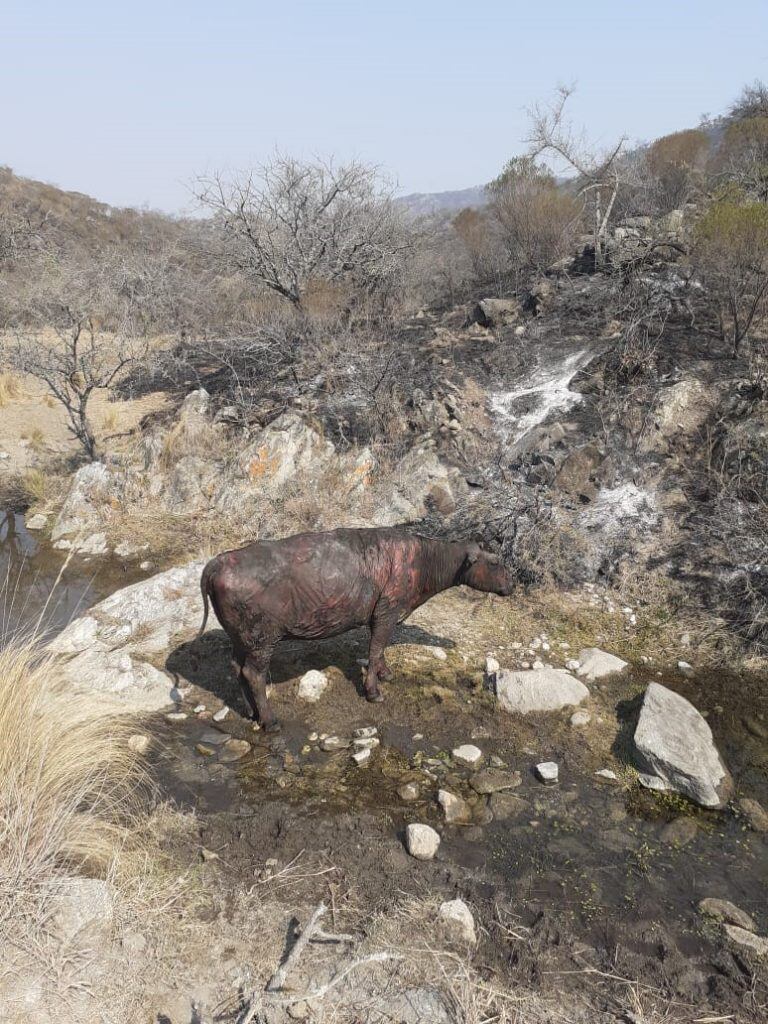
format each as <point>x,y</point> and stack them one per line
<point>69,783</point>
<point>10,388</point>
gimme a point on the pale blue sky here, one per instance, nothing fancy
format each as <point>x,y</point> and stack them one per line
<point>129,101</point>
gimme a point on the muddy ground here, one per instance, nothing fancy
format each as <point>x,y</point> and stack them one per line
<point>590,887</point>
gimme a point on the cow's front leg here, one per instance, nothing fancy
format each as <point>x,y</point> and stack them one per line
<point>382,627</point>
<point>255,675</point>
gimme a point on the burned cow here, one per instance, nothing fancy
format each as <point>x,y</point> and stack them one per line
<point>317,585</point>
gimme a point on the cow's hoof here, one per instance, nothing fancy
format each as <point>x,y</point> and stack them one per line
<point>374,698</point>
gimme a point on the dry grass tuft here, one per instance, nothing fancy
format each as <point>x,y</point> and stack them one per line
<point>69,783</point>
<point>10,388</point>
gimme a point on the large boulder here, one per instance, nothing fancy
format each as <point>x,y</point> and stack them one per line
<point>545,689</point>
<point>674,743</point>
<point>110,649</point>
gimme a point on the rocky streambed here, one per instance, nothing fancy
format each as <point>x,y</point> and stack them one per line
<point>586,874</point>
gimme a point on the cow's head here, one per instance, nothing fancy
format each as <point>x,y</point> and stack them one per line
<point>482,570</point>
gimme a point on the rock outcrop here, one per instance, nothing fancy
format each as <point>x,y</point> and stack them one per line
<point>111,649</point>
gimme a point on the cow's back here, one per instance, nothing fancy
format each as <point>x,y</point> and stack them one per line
<point>311,584</point>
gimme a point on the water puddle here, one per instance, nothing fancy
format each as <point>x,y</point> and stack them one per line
<point>39,591</point>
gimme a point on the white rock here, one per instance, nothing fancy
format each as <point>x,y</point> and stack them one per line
<point>362,755</point>
<point>421,841</point>
<point>177,716</point>
<point>456,810</point>
<point>606,773</point>
<point>139,743</point>
<point>548,772</point>
<point>537,666</point>
<point>458,921</point>
<point>595,664</point>
<point>516,646</point>
<point>36,522</point>
<point>366,742</point>
<point>579,718</point>
<point>491,666</point>
<point>539,690</point>
<point>78,636</point>
<point>199,709</point>
<point>758,944</point>
<point>312,686</point>
<point>221,714</point>
<point>685,668</point>
<point>674,743</point>
<point>365,732</point>
<point>438,653</point>
<point>88,504</point>
<point>467,754</point>
<point>128,550</point>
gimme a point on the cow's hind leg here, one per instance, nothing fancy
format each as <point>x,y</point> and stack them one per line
<point>254,675</point>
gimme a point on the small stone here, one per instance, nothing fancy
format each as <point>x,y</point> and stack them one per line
<point>456,810</point>
<point>312,685</point>
<point>573,665</point>
<point>493,781</point>
<point>205,750</point>
<point>467,754</point>
<point>491,667</point>
<point>755,814</point>
<point>417,736</point>
<point>36,522</point>
<point>333,743</point>
<point>365,733</point>
<point>146,566</point>
<point>597,664</point>
<point>458,921</point>
<point>361,756</point>
<point>537,665</point>
<point>313,737</point>
<point>548,772</point>
<point>685,668</point>
<point>409,791</point>
<point>208,855</point>
<point>421,841</point>
<point>438,653</point>
<point>747,940</point>
<point>176,716</point>
<point>234,750</point>
<point>727,912</point>
<point>367,744</point>
<point>221,714</point>
<point>505,806</point>
<point>199,709</point>
<point>139,743</point>
<point>606,773</point>
<point>580,718</point>
<point>214,738</point>
<point>525,664</point>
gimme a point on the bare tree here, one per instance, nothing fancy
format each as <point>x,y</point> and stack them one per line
<point>83,330</point>
<point>598,171</point>
<point>290,223</point>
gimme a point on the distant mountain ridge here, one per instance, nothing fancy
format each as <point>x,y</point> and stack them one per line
<point>425,204</point>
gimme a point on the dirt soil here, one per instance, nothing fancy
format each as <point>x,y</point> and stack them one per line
<point>589,887</point>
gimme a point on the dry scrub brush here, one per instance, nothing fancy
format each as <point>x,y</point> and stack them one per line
<point>69,783</point>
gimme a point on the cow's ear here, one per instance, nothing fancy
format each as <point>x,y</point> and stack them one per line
<point>473,553</point>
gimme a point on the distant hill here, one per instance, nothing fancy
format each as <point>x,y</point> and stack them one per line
<point>425,204</point>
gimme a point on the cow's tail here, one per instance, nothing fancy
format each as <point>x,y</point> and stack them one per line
<point>205,590</point>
